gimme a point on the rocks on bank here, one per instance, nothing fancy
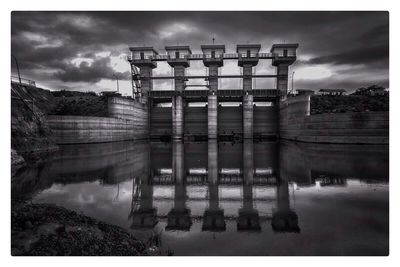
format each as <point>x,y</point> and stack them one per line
<point>48,230</point>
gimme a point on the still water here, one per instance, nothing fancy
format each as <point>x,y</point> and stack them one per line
<point>209,198</point>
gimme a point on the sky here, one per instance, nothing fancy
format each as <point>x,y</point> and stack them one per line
<point>83,50</point>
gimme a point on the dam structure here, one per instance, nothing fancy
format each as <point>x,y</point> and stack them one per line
<point>204,111</point>
<point>176,114</point>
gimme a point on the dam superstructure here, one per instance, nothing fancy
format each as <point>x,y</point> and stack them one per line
<point>170,113</point>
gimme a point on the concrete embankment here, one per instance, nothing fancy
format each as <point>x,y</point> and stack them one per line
<point>41,119</point>
<point>297,124</point>
<point>127,120</point>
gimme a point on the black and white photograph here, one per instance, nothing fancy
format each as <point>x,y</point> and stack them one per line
<point>198,132</point>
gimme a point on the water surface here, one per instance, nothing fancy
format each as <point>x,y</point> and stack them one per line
<point>209,198</point>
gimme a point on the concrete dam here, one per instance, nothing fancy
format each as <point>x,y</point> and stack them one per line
<point>176,114</point>
<point>182,120</point>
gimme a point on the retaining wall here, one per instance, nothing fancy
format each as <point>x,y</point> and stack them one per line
<point>128,120</point>
<point>355,128</point>
<point>85,129</point>
<point>132,110</point>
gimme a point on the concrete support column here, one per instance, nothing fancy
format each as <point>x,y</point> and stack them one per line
<point>213,103</point>
<point>178,105</point>
<point>282,70</point>
<point>177,117</point>
<point>212,117</point>
<point>247,116</point>
<point>247,101</point>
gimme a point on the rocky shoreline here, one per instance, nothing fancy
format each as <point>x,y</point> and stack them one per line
<point>49,230</point>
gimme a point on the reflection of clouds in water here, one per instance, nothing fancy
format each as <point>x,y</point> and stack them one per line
<point>93,199</point>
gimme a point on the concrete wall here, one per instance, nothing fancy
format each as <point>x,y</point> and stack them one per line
<point>85,129</point>
<point>134,111</point>
<point>128,120</point>
<point>128,109</point>
<point>363,128</point>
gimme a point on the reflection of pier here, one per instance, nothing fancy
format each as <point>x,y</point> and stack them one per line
<point>284,219</point>
<point>214,216</point>
<point>144,214</point>
<point>176,183</point>
<point>248,216</point>
<point>179,217</point>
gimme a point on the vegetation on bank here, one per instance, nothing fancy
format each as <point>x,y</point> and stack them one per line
<point>364,99</point>
<point>49,230</point>
<point>85,105</point>
<point>29,129</point>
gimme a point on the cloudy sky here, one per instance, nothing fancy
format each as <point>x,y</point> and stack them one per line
<point>82,50</point>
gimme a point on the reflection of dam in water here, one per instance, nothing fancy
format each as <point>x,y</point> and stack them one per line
<point>238,186</point>
<point>177,183</point>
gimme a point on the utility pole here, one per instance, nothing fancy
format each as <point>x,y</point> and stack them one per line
<point>116,77</point>
<point>292,82</point>
<point>16,63</point>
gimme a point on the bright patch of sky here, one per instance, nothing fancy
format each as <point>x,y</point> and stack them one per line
<point>172,29</point>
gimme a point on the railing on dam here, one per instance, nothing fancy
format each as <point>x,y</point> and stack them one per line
<point>206,56</point>
<point>227,93</point>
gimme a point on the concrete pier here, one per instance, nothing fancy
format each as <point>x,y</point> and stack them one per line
<point>212,112</point>
<point>247,102</point>
<point>282,70</point>
<point>177,59</point>
<point>213,60</point>
<point>248,58</point>
<point>285,55</point>
<point>213,102</point>
<point>248,116</point>
<point>177,117</point>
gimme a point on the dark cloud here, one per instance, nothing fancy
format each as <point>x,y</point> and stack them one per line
<point>357,56</point>
<point>91,73</point>
<point>47,42</point>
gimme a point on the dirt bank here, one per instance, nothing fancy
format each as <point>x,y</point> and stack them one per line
<point>49,230</point>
